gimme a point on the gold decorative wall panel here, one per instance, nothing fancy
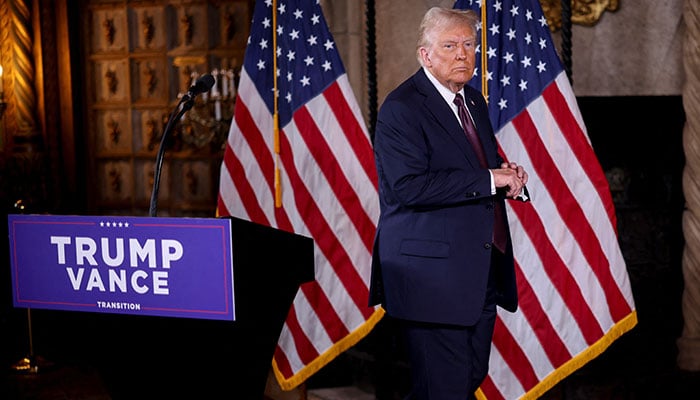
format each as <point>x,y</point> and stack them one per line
<point>583,12</point>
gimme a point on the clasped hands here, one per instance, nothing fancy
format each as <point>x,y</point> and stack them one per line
<point>511,177</point>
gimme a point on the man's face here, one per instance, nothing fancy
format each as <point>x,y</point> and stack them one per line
<point>451,57</point>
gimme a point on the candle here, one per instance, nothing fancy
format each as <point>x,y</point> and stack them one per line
<point>215,89</point>
<point>224,85</point>
<point>217,110</point>
<point>230,80</point>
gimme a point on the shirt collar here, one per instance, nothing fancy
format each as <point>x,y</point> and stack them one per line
<point>444,91</point>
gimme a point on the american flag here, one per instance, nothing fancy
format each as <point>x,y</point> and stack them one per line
<point>573,286</point>
<point>327,178</point>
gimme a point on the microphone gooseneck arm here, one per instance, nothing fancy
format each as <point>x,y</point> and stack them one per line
<point>203,84</point>
<point>161,153</point>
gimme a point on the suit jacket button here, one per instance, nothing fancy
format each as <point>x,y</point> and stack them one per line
<point>487,246</point>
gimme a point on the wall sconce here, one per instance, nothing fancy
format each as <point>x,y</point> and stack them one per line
<point>2,94</point>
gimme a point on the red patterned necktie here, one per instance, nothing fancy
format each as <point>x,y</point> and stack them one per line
<point>499,230</point>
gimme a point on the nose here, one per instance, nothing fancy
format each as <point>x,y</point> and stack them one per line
<point>461,52</point>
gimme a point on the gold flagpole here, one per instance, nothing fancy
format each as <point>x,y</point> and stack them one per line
<point>275,116</point>
<point>484,81</point>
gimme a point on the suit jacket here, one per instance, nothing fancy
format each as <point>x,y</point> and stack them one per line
<point>433,244</point>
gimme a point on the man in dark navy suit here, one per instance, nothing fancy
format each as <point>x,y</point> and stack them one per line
<point>442,258</point>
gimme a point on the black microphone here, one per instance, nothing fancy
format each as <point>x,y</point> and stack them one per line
<point>203,84</point>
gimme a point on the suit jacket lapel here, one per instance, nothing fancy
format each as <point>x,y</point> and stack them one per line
<point>442,113</point>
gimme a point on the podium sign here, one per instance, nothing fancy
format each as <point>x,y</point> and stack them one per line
<point>171,267</point>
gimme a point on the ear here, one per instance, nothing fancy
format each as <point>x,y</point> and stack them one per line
<point>425,56</point>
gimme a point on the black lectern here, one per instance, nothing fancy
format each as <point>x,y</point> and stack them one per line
<point>269,266</point>
<point>172,358</point>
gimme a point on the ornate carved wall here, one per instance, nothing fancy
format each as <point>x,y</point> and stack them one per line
<point>140,57</point>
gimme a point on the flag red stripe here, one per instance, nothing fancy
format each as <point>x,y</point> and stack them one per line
<point>537,318</point>
<point>282,362</point>
<point>570,209</point>
<point>576,138</point>
<point>325,238</point>
<point>265,163</point>
<point>329,318</point>
<point>257,143</point>
<point>247,193</point>
<point>282,220</point>
<point>353,130</point>
<point>490,390</point>
<point>221,208</point>
<point>323,310</point>
<point>577,223</point>
<point>516,359</point>
<point>305,348</point>
<point>248,196</point>
<point>556,270</point>
<point>344,192</point>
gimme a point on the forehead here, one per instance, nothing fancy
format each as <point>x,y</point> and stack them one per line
<point>455,32</point>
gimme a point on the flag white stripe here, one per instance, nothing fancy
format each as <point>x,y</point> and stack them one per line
<point>556,311</point>
<point>287,346</point>
<point>504,379</point>
<point>343,152</point>
<point>531,346</point>
<point>312,329</point>
<point>227,190</point>
<point>248,95</point>
<point>365,185</point>
<point>559,234</point>
<point>341,225</point>
<point>570,253</point>
<point>562,82</point>
<point>328,203</point>
<point>563,240</point>
<point>587,196</point>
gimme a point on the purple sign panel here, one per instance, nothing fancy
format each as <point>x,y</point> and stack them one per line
<point>171,267</point>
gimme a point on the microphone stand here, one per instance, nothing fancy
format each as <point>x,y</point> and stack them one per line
<point>185,104</point>
<point>31,363</point>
